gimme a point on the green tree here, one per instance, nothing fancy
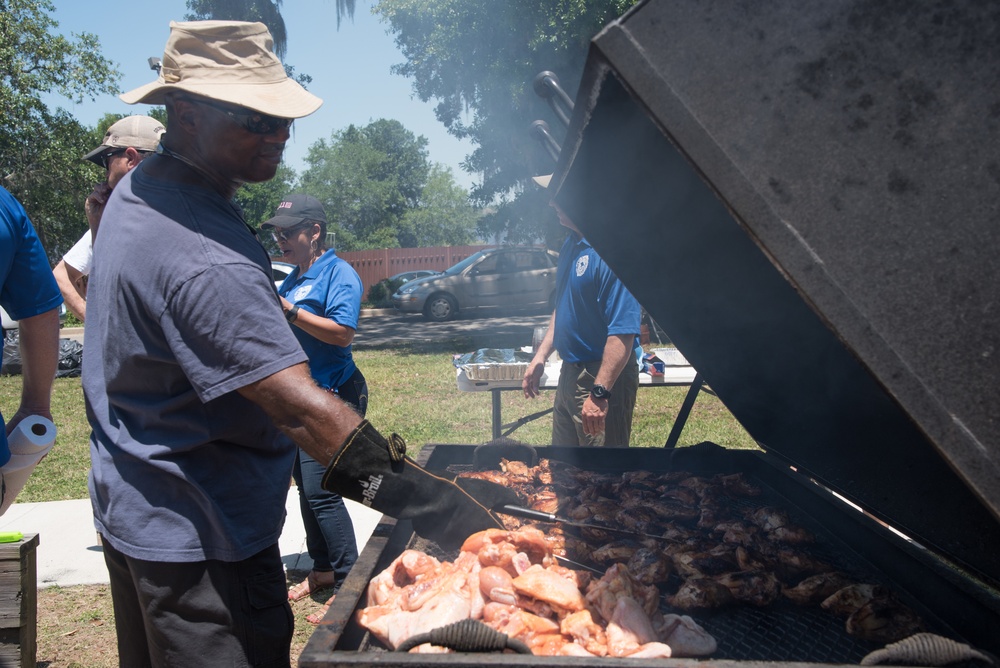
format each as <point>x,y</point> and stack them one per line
<point>368,178</point>
<point>477,62</point>
<point>267,12</point>
<point>259,201</point>
<point>443,216</point>
<point>40,149</point>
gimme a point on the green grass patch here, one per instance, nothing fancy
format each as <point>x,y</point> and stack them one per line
<point>413,393</point>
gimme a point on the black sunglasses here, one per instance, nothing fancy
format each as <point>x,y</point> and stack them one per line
<point>248,119</point>
<point>289,232</point>
<point>104,157</point>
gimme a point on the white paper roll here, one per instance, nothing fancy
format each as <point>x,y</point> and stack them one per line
<point>31,440</point>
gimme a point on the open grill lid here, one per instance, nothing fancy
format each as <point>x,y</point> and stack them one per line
<point>804,196</point>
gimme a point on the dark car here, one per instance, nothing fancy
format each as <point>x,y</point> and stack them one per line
<point>407,276</point>
<point>511,276</point>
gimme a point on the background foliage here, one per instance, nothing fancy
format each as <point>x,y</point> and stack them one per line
<point>477,61</point>
<point>40,149</point>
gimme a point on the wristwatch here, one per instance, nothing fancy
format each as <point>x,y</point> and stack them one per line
<point>600,392</point>
<point>292,313</point>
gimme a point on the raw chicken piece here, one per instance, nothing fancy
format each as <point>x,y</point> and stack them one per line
<point>684,635</point>
<point>618,583</point>
<point>629,628</point>
<point>549,586</point>
<point>403,571</point>
<point>448,601</point>
<point>585,632</point>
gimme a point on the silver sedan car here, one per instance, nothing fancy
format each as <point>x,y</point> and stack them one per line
<point>511,276</point>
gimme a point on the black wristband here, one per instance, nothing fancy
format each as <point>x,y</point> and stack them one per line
<point>292,313</point>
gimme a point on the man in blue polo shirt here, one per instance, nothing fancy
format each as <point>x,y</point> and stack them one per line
<point>29,294</point>
<point>595,329</point>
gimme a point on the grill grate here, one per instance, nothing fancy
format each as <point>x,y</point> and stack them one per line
<point>781,631</point>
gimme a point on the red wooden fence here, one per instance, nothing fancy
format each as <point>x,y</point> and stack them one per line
<point>374,265</point>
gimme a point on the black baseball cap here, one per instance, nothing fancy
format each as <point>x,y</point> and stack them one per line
<point>296,209</point>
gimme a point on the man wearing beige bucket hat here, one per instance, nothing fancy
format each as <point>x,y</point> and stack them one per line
<point>126,143</point>
<point>198,368</point>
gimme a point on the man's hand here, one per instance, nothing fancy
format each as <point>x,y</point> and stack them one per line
<point>532,378</point>
<point>594,413</point>
<point>94,205</point>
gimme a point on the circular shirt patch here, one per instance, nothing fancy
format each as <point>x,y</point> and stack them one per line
<point>581,264</point>
<point>301,293</point>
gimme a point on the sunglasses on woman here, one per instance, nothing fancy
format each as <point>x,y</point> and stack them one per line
<point>248,119</point>
<point>290,232</point>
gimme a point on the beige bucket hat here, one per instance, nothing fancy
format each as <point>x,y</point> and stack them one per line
<point>227,61</point>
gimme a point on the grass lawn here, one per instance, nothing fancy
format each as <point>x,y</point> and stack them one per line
<point>413,393</point>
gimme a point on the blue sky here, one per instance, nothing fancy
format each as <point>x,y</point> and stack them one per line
<point>349,67</point>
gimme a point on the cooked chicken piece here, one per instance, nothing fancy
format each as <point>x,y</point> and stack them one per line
<point>638,518</point>
<point>669,510</point>
<point>816,588</point>
<point>738,533</point>
<point>701,594</point>
<point>750,560</point>
<point>705,564</point>
<point>754,587</point>
<point>883,620</point>
<point>847,600</point>
<point>544,500</point>
<point>737,485</point>
<point>650,566</point>
<point>697,484</point>
<point>769,518</point>
<point>682,495</point>
<point>792,534</point>
<point>791,564</point>
<point>617,551</point>
<point>517,471</point>
<point>684,635</point>
<point>493,476</point>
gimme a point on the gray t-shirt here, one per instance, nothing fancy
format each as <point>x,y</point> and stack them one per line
<point>181,313</point>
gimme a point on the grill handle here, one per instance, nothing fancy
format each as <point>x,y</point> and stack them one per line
<point>468,635</point>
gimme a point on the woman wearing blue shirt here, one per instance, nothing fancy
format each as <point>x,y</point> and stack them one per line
<point>322,299</point>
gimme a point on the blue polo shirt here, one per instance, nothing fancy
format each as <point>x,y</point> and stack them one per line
<point>591,304</point>
<point>27,287</point>
<point>332,289</point>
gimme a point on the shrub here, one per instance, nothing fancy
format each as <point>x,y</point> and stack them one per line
<point>380,294</point>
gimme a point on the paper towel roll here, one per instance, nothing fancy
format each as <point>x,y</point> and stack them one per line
<point>31,440</point>
<point>32,435</point>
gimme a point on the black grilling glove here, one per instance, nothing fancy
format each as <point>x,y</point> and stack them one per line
<point>375,471</point>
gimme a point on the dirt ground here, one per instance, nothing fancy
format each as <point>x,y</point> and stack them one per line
<point>76,626</point>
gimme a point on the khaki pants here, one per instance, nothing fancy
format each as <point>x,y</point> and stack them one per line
<point>575,381</point>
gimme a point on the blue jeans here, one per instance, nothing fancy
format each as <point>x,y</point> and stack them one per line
<point>329,530</point>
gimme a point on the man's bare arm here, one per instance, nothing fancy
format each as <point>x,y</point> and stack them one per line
<point>39,338</point>
<point>316,420</point>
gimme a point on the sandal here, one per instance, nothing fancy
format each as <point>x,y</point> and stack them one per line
<point>317,617</point>
<point>308,586</point>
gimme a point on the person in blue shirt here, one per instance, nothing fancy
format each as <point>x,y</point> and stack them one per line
<point>595,329</point>
<point>29,294</point>
<point>322,300</point>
